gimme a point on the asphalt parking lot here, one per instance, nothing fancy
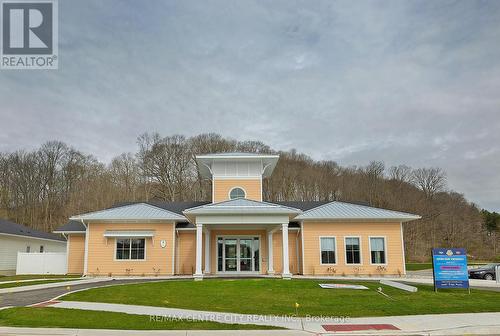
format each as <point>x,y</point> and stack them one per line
<point>40,295</point>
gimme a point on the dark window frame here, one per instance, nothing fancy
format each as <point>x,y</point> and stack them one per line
<point>328,255</point>
<point>130,249</point>
<point>352,254</point>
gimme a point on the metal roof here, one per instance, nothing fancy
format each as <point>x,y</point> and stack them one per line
<point>205,161</point>
<point>131,212</point>
<point>11,228</point>
<point>242,206</point>
<point>302,205</point>
<point>175,207</point>
<point>341,210</point>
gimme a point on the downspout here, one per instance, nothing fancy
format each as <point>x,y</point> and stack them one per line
<point>86,255</point>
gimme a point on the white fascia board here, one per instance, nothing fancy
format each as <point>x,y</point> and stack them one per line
<point>30,237</point>
<point>238,219</point>
<point>364,219</point>
<point>68,232</point>
<point>130,220</point>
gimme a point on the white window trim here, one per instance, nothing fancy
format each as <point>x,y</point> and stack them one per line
<point>385,249</point>
<point>360,251</point>
<point>236,187</point>
<point>130,260</point>
<point>335,250</point>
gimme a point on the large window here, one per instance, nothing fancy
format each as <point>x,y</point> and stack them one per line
<point>328,250</point>
<point>352,250</point>
<point>237,193</point>
<point>130,248</point>
<point>377,250</point>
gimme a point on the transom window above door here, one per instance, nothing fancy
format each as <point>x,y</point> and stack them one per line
<point>237,193</point>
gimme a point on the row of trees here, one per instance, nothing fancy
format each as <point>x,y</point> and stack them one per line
<point>42,188</point>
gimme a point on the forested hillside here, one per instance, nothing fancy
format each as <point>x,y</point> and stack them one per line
<point>42,188</point>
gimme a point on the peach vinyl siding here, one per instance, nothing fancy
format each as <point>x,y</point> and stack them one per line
<point>76,253</point>
<point>101,256</point>
<point>185,252</point>
<point>222,187</point>
<point>312,232</point>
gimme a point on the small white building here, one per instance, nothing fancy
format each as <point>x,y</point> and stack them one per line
<point>16,238</point>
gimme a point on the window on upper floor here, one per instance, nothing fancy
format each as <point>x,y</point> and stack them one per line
<point>237,193</point>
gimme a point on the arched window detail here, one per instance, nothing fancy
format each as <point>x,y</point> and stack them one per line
<point>237,192</point>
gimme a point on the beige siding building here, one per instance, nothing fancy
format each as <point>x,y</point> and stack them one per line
<point>237,233</point>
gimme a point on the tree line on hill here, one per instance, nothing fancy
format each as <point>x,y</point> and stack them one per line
<point>43,187</point>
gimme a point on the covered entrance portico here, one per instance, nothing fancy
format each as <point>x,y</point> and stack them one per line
<point>243,233</point>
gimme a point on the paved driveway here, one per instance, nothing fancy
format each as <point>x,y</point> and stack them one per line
<point>39,295</point>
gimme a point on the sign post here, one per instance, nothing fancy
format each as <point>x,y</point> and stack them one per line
<point>449,268</point>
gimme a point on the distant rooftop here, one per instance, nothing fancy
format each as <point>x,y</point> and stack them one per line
<point>11,228</point>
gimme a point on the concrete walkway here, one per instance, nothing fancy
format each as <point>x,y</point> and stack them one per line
<point>39,279</point>
<point>100,332</point>
<point>51,285</point>
<point>413,324</point>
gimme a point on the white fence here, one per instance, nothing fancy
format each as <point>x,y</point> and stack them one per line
<point>41,263</point>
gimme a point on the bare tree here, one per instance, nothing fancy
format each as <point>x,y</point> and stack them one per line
<point>429,180</point>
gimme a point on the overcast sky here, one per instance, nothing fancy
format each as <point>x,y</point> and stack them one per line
<point>414,83</point>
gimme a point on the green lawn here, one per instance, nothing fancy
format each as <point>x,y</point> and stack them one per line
<point>86,319</point>
<point>30,283</point>
<point>277,297</point>
<point>35,276</point>
<point>418,266</point>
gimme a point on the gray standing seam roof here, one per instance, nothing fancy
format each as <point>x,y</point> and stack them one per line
<point>8,227</point>
<point>341,210</point>
<point>242,205</point>
<point>137,211</point>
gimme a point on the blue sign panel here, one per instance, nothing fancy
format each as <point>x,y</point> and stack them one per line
<point>450,268</point>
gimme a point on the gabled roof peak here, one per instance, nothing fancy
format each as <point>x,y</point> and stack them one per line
<point>242,205</point>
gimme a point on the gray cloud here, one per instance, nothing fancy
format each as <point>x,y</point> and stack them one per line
<point>408,82</point>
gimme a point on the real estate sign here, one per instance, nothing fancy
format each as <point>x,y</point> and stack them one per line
<point>450,268</point>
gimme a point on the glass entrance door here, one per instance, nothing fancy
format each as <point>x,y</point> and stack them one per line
<point>246,255</point>
<point>238,254</point>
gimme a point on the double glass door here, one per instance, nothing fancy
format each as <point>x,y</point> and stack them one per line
<point>238,254</point>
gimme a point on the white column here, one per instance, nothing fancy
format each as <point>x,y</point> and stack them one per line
<point>207,252</point>
<point>198,275</point>
<point>286,267</point>
<point>270,266</point>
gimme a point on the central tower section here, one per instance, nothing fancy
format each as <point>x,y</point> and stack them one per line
<point>236,175</point>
